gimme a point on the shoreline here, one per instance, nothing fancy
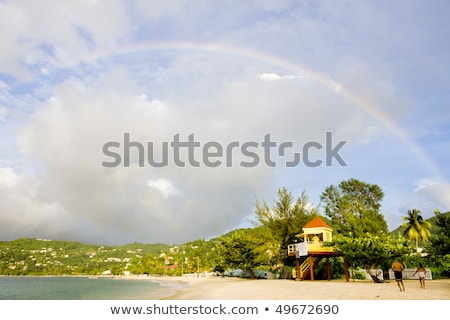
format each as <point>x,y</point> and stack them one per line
<point>216,288</point>
<point>233,288</point>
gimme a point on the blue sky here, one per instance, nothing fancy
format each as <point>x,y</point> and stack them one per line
<point>77,75</point>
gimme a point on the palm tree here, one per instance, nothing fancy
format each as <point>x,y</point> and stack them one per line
<point>415,227</point>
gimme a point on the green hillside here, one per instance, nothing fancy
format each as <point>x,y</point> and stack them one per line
<point>41,257</point>
<point>52,257</point>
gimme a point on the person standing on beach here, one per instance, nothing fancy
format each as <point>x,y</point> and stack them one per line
<point>421,271</point>
<point>397,267</point>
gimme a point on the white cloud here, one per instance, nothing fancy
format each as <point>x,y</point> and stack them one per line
<point>274,77</point>
<point>164,186</point>
<point>8,178</point>
<point>22,211</point>
<point>45,34</point>
<point>337,86</point>
<point>64,138</point>
<point>435,192</point>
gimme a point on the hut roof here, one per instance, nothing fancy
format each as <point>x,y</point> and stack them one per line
<point>317,222</point>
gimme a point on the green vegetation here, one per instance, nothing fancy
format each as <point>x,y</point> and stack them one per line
<point>415,227</point>
<point>238,251</point>
<point>354,207</point>
<point>371,251</point>
<point>351,208</point>
<point>282,222</point>
<point>440,244</point>
<point>51,257</point>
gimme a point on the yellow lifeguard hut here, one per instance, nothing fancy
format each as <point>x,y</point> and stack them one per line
<point>310,250</point>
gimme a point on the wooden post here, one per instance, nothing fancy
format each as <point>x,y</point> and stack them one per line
<point>328,269</point>
<point>346,270</point>
<point>311,268</point>
<point>298,275</point>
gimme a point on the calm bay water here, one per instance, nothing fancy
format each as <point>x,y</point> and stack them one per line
<point>82,288</point>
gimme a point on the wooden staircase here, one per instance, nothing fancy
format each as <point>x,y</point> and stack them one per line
<point>305,267</point>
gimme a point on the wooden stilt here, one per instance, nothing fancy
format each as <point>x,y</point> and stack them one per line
<point>311,267</point>
<point>328,269</point>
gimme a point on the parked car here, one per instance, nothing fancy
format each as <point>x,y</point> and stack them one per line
<point>233,273</point>
<point>259,274</point>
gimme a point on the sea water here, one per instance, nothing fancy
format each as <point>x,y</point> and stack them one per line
<point>83,288</point>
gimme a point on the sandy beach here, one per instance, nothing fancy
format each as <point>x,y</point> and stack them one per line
<point>217,288</point>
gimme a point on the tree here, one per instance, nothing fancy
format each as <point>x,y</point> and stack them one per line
<point>354,207</point>
<point>369,251</point>
<point>440,242</point>
<point>238,251</point>
<point>415,227</point>
<point>283,221</point>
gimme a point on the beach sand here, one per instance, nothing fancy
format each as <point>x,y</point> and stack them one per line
<point>217,288</point>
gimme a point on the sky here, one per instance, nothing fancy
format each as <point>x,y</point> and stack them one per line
<point>166,121</point>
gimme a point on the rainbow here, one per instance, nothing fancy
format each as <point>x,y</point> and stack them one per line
<point>324,80</point>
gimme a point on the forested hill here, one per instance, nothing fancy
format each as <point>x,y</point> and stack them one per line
<point>43,256</point>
